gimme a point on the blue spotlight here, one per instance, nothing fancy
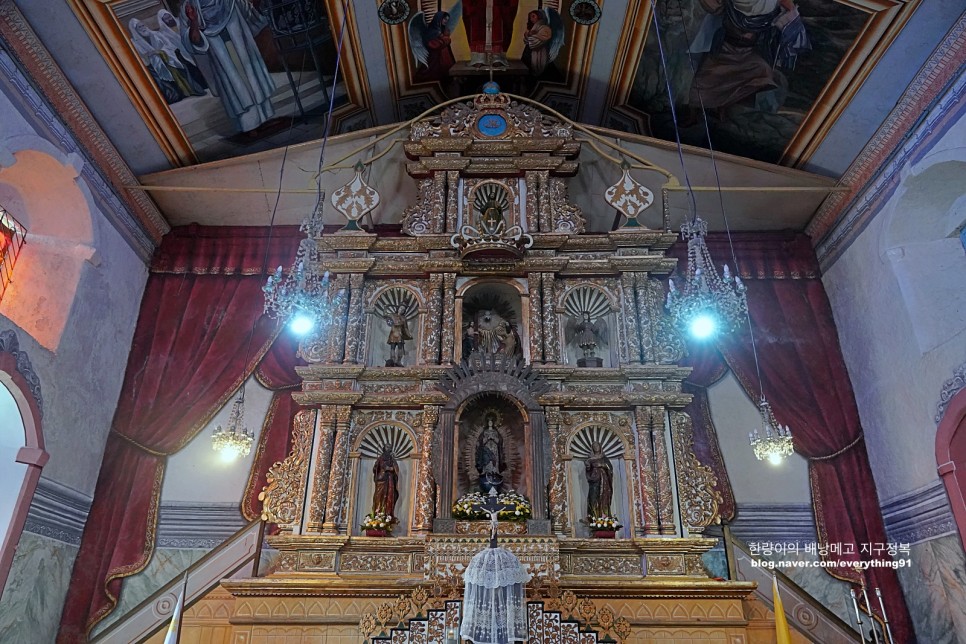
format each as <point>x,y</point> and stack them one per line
<point>301,323</point>
<point>703,326</point>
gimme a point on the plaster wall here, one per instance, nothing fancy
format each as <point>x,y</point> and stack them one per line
<point>753,481</point>
<point>886,292</point>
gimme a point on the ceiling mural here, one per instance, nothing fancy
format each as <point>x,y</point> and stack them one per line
<point>220,78</point>
<point>215,79</point>
<point>534,48</point>
<point>771,76</point>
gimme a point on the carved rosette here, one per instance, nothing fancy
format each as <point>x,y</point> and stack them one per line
<point>697,495</point>
<point>284,495</point>
<point>551,328</point>
<point>536,317</point>
<point>338,474</point>
<point>323,463</point>
<point>425,483</point>
<point>632,331</point>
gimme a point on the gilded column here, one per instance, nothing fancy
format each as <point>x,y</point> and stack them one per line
<point>648,520</point>
<point>665,499</point>
<point>340,316</point>
<point>543,201</point>
<point>559,513</point>
<point>448,185</point>
<point>536,317</point>
<point>319,492</point>
<point>335,501</point>
<point>434,309</point>
<point>448,338</point>
<point>551,339</point>
<point>532,203</point>
<point>629,314</point>
<point>424,509</point>
<point>643,302</point>
<point>356,318</point>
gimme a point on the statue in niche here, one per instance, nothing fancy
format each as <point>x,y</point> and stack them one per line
<point>588,335</point>
<point>489,333</point>
<point>385,475</point>
<point>398,334</point>
<point>490,457</point>
<point>600,482</point>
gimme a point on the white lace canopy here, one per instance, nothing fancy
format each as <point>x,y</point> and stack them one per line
<point>494,608</point>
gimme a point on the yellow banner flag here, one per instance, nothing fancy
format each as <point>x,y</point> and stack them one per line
<point>782,634</point>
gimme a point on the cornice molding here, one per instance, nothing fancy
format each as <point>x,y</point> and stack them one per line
<point>51,99</point>
<point>919,515</point>
<point>905,133</point>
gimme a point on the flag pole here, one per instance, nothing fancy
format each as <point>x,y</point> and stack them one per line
<point>174,628</point>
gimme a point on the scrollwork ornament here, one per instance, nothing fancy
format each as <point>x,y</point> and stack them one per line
<point>699,500</point>
<point>283,497</point>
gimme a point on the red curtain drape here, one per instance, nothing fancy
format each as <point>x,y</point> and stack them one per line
<point>199,336</point>
<point>806,382</point>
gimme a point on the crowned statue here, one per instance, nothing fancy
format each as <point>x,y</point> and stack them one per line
<point>490,457</point>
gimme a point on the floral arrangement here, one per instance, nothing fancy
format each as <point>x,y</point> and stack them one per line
<point>379,521</point>
<point>521,510</point>
<point>604,523</point>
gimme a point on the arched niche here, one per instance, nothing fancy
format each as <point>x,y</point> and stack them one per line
<point>510,422</point>
<point>921,244</point>
<point>483,304</point>
<point>22,455</point>
<point>43,193</point>
<point>390,305</point>
<point>583,303</point>
<point>620,456</point>
<point>365,452</point>
<point>951,458</point>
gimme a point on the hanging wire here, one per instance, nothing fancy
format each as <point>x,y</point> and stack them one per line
<point>281,170</point>
<point>717,180</point>
<point>674,112</point>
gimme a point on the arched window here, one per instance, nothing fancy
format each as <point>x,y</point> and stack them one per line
<point>22,454</point>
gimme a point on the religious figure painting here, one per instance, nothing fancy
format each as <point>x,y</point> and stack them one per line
<point>229,77</point>
<point>748,70</point>
<point>457,44</point>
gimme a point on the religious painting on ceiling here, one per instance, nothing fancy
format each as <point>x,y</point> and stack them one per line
<point>220,78</point>
<point>450,48</point>
<point>766,78</point>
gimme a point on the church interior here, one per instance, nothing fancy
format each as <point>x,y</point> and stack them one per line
<point>491,321</point>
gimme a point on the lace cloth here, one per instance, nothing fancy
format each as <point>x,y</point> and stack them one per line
<point>494,608</point>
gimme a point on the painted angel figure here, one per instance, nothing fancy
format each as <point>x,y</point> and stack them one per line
<point>430,43</point>
<point>588,335</point>
<point>543,39</point>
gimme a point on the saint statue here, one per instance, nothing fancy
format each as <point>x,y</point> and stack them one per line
<point>489,333</point>
<point>398,334</point>
<point>385,474</point>
<point>588,335</point>
<point>490,462</point>
<point>600,482</point>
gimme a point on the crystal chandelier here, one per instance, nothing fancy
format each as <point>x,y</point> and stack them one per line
<point>776,443</point>
<point>236,441</point>
<point>707,304</point>
<point>302,296</point>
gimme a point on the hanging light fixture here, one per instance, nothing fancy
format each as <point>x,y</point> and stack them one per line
<point>236,441</point>
<point>12,236</point>
<point>774,442</point>
<point>302,295</point>
<point>708,304</point>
